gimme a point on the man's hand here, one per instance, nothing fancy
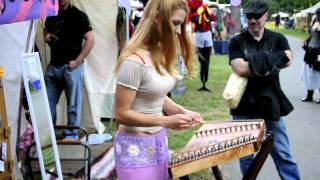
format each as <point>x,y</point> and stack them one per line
<point>50,37</point>
<point>74,64</point>
<point>289,54</point>
<point>290,57</point>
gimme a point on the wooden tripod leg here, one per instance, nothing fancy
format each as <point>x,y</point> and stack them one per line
<point>259,160</point>
<point>217,173</point>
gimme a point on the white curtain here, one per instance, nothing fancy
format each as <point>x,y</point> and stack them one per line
<point>13,38</point>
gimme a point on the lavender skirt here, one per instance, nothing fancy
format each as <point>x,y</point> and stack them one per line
<point>141,157</point>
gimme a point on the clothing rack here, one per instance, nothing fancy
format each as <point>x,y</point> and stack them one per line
<point>6,163</point>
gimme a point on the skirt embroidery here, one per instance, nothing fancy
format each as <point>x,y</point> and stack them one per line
<point>132,151</point>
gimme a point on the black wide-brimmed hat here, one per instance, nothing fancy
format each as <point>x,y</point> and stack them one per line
<point>255,7</point>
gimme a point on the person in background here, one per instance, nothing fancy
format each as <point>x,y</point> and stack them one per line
<point>145,74</point>
<point>202,21</point>
<point>2,6</point>
<point>144,2</point>
<point>228,22</point>
<point>259,54</point>
<point>243,20</point>
<point>71,39</point>
<point>137,16</point>
<point>311,67</point>
<point>277,20</point>
<point>290,22</point>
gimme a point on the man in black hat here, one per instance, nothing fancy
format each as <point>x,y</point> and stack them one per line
<point>259,54</point>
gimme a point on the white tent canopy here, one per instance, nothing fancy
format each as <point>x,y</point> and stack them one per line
<point>221,6</point>
<point>282,15</point>
<point>300,14</point>
<point>312,9</point>
<point>136,4</point>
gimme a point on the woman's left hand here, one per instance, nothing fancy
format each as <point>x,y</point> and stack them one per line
<point>196,117</point>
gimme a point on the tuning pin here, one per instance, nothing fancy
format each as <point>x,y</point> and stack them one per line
<point>252,137</point>
<point>191,155</point>
<point>222,146</point>
<point>207,132</point>
<point>229,144</point>
<point>214,131</point>
<point>240,140</point>
<point>258,125</point>
<point>203,151</point>
<point>228,129</point>
<point>244,127</point>
<point>207,149</point>
<point>246,138</point>
<point>198,153</point>
<point>216,148</point>
<point>235,142</point>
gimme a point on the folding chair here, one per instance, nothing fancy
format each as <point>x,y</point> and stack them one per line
<point>71,152</point>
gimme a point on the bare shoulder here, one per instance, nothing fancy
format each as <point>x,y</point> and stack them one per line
<point>136,58</point>
<point>141,56</point>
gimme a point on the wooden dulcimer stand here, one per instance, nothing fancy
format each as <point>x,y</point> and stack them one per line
<point>218,142</point>
<point>6,163</point>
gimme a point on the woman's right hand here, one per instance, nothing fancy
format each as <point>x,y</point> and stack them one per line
<point>178,122</point>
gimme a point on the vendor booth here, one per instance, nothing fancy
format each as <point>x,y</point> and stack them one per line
<point>19,31</point>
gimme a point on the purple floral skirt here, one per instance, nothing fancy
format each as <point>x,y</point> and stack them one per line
<point>141,157</point>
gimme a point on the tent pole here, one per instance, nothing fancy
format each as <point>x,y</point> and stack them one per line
<point>28,49</point>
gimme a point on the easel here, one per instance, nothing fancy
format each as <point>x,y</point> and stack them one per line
<point>5,135</point>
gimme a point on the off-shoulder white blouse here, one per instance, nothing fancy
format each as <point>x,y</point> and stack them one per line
<point>151,89</point>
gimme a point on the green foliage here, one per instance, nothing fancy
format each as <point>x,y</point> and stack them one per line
<point>281,5</point>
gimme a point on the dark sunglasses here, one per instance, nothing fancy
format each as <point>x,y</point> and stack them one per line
<point>254,16</point>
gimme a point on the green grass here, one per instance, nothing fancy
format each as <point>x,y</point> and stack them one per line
<point>292,32</point>
<point>210,105</point>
